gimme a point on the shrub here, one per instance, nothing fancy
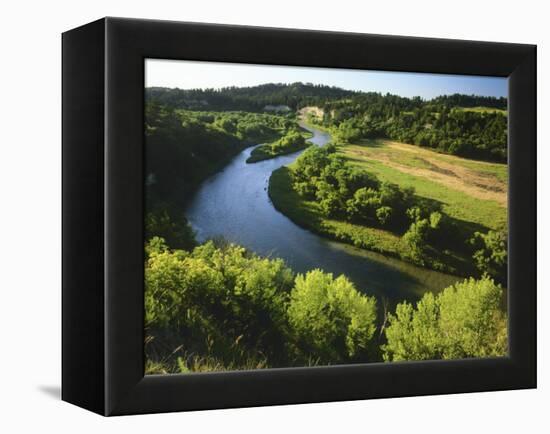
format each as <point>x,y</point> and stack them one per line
<point>415,240</point>
<point>465,320</point>
<point>330,318</point>
<point>176,231</point>
<point>219,299</point>
<point>491,255</point>
<point>383,214</point>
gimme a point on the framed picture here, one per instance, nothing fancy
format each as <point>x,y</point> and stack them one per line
<point>257,216</point>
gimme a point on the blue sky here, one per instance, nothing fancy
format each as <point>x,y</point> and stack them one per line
<point>191,74</point>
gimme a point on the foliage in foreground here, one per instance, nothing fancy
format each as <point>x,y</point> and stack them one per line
<point>220,307</point>
<point>176,232</point>
<point>465,320</point>
<point>331,318</point>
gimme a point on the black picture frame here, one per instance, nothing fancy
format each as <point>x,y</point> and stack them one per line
<point>103,306</point>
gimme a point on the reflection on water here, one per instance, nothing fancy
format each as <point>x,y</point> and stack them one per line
<point>234,204</point>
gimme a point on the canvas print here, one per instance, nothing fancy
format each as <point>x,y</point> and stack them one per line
<point>300,217</point>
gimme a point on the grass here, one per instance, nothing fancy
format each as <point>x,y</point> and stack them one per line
<point>461,206</point>
<point>483,110</point>
<point>416,156</point>
<point>426,171</point>
<point>497,170</point>
<point>193,363</point>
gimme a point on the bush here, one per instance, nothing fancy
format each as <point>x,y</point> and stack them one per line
<point>218,300</point>
<point>415,241</point>
<point>222,307</point>
<point>491,255</point>
<point>465,320</point>
<point>177,232</point>
<point>383,214</point>
<point>330,318</point>
<point>177,286</point>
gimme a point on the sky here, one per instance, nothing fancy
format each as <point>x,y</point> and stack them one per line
<point>185,74</point>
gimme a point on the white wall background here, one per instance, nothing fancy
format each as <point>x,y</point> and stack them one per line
<point>30,183</point>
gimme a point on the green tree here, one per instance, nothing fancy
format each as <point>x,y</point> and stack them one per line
<point>363,204</point>
<point>415,240</point>
<point>330,318</point>
<point>348,132</point>
<point>383,214</point>
<point>465,320</point>
<point>175,285</point>
<point>175,231</point>
<point>220,301</point>
<point>308,168</point>
<point>491,255</point>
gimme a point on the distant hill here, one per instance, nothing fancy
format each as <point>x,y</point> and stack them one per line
<point>254,98</point>
<point>298,95</point>
<point>470,126</point>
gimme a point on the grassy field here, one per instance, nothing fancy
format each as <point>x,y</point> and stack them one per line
<point>469,190</point>
<point>472,193</point>
<point>483,110</point>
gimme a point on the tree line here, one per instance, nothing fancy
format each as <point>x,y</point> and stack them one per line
<point>253,98</point>
<point>441,124</point>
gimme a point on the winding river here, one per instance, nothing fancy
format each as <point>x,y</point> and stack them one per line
<point>234,204</point>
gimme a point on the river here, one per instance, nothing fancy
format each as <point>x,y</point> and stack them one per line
<point>234,204</point>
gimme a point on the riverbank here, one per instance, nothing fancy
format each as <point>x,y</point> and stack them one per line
<point>308,215</point>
